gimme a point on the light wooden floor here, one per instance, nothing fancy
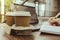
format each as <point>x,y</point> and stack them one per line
<point>35,36</point>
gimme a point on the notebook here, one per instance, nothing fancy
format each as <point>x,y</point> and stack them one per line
<point>47,28</point>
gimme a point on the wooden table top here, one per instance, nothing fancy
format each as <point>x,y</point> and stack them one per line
<point>34,36</point>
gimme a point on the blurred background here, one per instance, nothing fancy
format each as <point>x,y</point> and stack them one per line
<point>47,8</point>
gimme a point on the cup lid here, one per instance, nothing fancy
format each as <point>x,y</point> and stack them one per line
<point>9,14</point>
<point>18,13</point>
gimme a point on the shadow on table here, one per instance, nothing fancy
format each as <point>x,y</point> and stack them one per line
<point>42,33</point>
<point>11,37</point>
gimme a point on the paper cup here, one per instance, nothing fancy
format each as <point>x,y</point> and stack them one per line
<point>22,21</point>
<point>10,20</point>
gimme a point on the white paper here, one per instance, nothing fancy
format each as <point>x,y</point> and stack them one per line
<point>46,27</point>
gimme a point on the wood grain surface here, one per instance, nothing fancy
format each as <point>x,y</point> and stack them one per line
<point>34,36</point>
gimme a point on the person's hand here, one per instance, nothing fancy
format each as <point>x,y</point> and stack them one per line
<point>58,21</point>
<point>52,19</point>
<point>55,20</point>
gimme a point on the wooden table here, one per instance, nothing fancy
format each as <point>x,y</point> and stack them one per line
<point>34,36</point>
